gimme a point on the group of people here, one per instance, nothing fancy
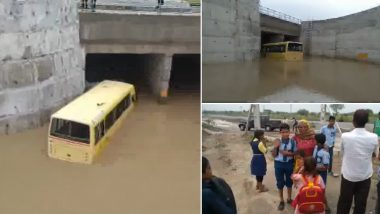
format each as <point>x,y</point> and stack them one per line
<point>303,162</point>
<point>84,4</point>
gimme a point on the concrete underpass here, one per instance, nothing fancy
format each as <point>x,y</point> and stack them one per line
<point>183,72</point>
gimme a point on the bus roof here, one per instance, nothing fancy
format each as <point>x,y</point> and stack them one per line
<point>281,43</point>
<point>92,106</point>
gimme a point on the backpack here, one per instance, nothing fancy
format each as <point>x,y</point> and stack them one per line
<point>311,197</point>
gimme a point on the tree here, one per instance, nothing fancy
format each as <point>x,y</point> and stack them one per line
<point>370,112</point>
<point>336,107</point>
<point>267,112</point>
<point>303,112</point>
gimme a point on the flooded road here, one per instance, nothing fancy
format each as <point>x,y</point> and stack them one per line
<point>311,80</point>
<point>151,166</point>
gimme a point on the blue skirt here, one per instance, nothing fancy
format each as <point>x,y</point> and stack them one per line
<point>258,165</point>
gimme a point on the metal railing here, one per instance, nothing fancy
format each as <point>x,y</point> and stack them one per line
<point>283,16</point>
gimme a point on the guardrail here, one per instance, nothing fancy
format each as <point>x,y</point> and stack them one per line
<point>283,16</point>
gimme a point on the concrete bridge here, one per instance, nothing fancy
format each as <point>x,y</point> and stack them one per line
<point>51,46</point>
<point>277,27</point>
<point>155,37</point>
<point>235,32</point>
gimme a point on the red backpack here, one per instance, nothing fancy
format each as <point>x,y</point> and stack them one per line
<point>311,197</point>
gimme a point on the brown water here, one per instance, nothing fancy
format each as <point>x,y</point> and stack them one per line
<point>151,166</point>
<point>312,80</point>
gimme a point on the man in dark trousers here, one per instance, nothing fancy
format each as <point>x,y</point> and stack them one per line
<point>85,5</point>
<point>217,196</point>
<point>359,146</point>
<point>159,3</point>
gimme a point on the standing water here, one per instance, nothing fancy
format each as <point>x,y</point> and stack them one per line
<point>314,79</point>
<point>150,166</point>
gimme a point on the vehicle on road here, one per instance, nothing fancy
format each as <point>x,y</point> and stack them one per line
<point>265,122</point>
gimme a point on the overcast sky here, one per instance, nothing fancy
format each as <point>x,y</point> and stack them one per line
<point>288,107</point>
<point>320,9</point>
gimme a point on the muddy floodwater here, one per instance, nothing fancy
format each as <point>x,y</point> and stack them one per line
<point>311,80</point>
<point>150,166</point>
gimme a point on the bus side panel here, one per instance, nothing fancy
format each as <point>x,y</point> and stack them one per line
<point>106,139</point>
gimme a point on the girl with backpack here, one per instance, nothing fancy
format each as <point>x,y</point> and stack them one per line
<point>311,195</point>
<point>258,162</point>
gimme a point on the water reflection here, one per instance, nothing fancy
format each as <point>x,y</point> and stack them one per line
<point>312,80</point>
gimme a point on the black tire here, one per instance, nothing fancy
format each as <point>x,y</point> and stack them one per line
<point>242,127</point>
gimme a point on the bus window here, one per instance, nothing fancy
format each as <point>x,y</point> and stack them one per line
<point>115,117</point>
<point>127,101</point>
<point>70,130</point>
<point>276,49</point>
<point>294,47</point>
<point>99,132</point>
<point>119,109</point>
<point>109,121</point>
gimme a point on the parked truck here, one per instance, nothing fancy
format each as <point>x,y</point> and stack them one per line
<point>266,123</point>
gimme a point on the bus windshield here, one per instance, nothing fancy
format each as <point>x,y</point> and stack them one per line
<point>294,47</point>
<point>70,130</point>
<point>275,48</point>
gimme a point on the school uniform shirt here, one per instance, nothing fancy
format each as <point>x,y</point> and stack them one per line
<point>286,145</point>
<point>357,148</point>
<point>321,156</point>
<point>330,134</point>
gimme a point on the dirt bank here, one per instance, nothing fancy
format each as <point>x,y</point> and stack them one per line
<point>230,155</point>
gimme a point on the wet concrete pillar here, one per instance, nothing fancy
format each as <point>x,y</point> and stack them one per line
<point>159,68</point>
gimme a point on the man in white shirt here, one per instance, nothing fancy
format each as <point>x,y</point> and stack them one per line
<point>358,148</point>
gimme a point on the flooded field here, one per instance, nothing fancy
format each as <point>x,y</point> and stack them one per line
<point>151,166</point>
<point>311,80</point>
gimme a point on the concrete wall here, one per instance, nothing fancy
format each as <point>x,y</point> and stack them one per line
<point>143,33</point>
<point>279,26</point>
<point>352,36</point>
<point>41,63</point>
<point>231,30</point>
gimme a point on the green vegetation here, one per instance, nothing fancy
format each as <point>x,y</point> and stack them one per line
<point>194,2</point>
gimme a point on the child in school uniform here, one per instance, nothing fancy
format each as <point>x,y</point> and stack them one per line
<point>283,153</point>
<point>309,180</point>
<point>258,162</point>
<point>322,156</point>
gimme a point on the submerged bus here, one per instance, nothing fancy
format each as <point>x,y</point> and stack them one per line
<point>79,131</point>
<point>291,51</point>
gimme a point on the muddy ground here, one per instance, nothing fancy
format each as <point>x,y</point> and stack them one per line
<point>151,166</point>
<point>230,155</point>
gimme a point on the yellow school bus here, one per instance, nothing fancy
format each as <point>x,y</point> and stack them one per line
<point>79,131</point>
<point>290,51</point>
